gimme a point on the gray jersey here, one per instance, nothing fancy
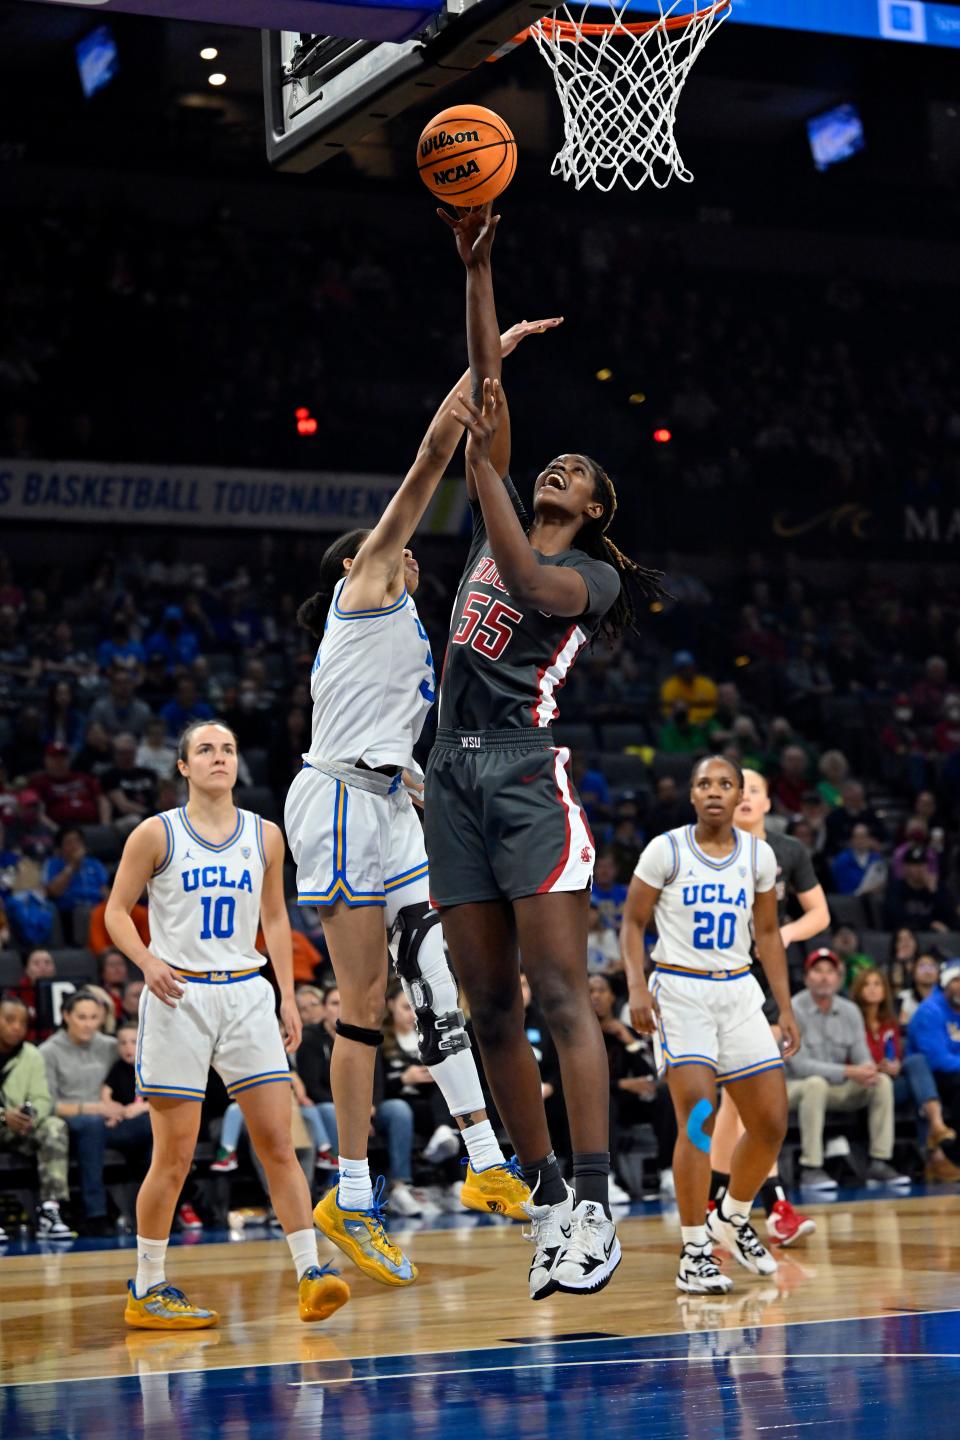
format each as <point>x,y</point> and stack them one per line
<point>795,872</point>
<point>505,664</point>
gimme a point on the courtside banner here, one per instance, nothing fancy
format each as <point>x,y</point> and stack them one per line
<point>87,493</point>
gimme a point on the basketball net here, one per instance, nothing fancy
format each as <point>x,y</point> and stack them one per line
<point>619,83</point>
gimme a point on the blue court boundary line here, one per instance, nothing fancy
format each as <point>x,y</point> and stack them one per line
<point>508,1347</point>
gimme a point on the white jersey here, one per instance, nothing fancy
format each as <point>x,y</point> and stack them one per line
<point>205,899</point>
<point>372,684</point>
<point>705,912</point>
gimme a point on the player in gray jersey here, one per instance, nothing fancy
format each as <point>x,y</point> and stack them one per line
<point>511,853</point>
<point>795,876</point>
<point>360,856</point>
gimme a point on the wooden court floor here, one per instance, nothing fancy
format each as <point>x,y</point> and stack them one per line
<point>61,1314</point>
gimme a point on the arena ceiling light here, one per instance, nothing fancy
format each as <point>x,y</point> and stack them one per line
<point>217,78</point>
<point>209,52</point>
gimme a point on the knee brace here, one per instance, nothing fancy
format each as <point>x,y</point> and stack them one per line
<point>428,983</point>
<point>359,1033</point>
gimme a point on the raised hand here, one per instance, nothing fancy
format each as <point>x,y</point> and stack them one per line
<point>473,231</point>
<point>511,338</point>
<point>480,424</point>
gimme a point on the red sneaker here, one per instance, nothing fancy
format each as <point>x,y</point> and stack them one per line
<point>189,1218</point>
<point>785,1226</point>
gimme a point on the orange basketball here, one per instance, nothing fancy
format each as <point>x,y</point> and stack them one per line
<point>467,155</point>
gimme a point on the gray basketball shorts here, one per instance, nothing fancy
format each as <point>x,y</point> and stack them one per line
<point>502,819</point>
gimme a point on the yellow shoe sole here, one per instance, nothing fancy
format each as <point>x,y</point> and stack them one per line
<point>490,1204</point>
<point>139,1321</point>
<point>320,1298</point>
<point>364,1263</point>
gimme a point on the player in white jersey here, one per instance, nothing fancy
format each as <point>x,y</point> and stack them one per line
<point>213,875</point>
<point>712,890</point>
<point>360,854</point>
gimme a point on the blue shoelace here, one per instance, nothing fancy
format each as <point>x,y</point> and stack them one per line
<point>511,1166</point>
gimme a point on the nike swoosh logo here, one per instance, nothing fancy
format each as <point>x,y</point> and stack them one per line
<point>565,1232</point>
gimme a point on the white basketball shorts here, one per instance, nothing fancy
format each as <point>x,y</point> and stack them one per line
<point>352,844</point>
<point>229,1024</point>
<point>713,1021</point>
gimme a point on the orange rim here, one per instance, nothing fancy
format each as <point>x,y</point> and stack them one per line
<point>568,30</point>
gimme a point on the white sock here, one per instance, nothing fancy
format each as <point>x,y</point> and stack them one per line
<point>695,1235</point>
<point>355,1191</point>
<point>303,1248</point>
<point>151,1264</point>
<point>736,1211</point>
<point>482,1145</point>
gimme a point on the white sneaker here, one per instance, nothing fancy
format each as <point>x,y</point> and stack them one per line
<point>699,1273</point>
<point>592,1252</point>
<point>667,1186</point>
<point>616,1195</point>
<point>402,1201</point>
<point>742,1241</point>
<point>549,1232</point>
<point>443,1144</point>
<point>50,1223</point>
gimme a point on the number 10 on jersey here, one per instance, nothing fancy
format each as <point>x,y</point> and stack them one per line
<point>217,917</point>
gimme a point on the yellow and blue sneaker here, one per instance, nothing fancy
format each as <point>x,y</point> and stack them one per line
<point>320,1292</point>
<point>498,1190</point>
<point>165,1308</point>
<point>361,1235</point>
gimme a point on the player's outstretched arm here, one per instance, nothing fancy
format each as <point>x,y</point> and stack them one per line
<point>637,914</point>
<point>276,932</point>
<point>773,958</point>
<point>143,854</point>
<point>551,588</point>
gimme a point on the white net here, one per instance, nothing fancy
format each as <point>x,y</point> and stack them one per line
<point>619,84</point>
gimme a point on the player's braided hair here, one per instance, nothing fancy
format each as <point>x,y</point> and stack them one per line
<point>593,539</point>
<point>312,614</point>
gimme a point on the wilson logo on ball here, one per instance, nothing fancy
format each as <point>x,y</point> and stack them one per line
<point>456,173</point>
<point>442,140</point>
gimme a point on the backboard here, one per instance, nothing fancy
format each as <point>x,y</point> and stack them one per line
<point>322,93</point>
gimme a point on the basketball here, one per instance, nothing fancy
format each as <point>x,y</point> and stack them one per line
<point>467,155</point>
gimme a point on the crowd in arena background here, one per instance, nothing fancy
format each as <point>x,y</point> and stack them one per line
<point>848,703</point>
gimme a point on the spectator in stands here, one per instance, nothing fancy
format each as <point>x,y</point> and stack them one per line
<point>603,943</point>
<point>177,642</point>
<point>860,869</point>
<point>934,1032</point>
<point>310,1004</point>
<point>290,743</point>
<point>924,978</point>
<point>903,954</point>
<point>697,692</point>
<point>677,736</point>
<point>930,693</point>
<point>306,956</point>
<point>63,722</point>
<point>671,809</point>
<point>911,1075</point>
<point>185,706</point>
<point>406,1078</point>
<point>39,965</point>
<point>814,811</point>
<point>916,836</point>
<point>32,834</point>
<point>121,709</point>
<point>156,751</point>
<point>23,755</point>
<point>27,1124</point>
<point>845,943</point>
<point>792,780</point>
<point>852,810</point>
<point>834,770</point>
<point>903,744</point>
<point>250,716</point>
<point>833,1071</point>
<point>608,895</point>
<point>73,878</point>
<point>946,735</point>
<point>63,661</point>
<point>130,788</point>
<point>97,937</point>
<point>77,1059</point>
<point>130,1006</point>
<point>120,646</point>
<point>114,973</point>
<point>95,757</point>
<point>155,689</point>
<point>108,1015</point>
<point>593,788</point>
<point>914,901</point>
<point>635,1096</point>
<point>69,797</point>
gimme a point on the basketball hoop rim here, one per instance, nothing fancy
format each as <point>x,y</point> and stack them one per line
<point>572,31</point>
